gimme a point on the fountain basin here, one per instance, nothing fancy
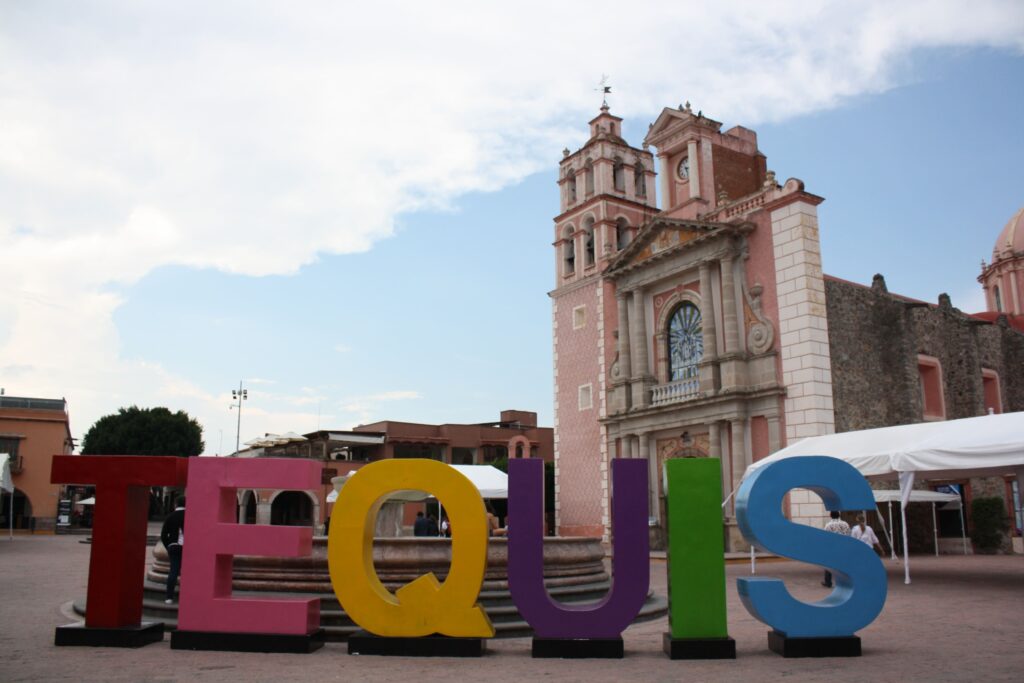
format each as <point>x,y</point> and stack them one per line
<point>574,572</point>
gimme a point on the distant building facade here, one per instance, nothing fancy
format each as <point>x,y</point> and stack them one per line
<point>514,435</point>
<point>708,328</point>
<point>32,431</point>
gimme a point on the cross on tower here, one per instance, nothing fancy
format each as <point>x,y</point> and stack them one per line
<point>604,89</point>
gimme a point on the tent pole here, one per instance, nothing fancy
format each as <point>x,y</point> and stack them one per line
<point>10,517</point>
<point>935,528</point>
<point>892,541</point>
<point>1020,494</point>
<point>887,532</point>
<point>440,516</point>
<point>906,549</point>
<point>753,561</point>
<point>963,529</point>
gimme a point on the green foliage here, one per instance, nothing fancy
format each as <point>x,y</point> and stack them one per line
<point>144,431</point>
<point>990,524</point>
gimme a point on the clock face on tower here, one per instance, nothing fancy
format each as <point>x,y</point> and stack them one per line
<point>684,168</point>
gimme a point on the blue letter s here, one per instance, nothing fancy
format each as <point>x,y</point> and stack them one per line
<point>760,518</point>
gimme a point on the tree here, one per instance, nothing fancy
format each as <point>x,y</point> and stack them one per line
<point>144,431</point>
<point>990,524</point>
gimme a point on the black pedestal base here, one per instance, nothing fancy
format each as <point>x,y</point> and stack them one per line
<point>364,643</point>
<point>130,636</point>
<point>698,648</point>
<point>842,646</point>
<point>248,642</point>
<point>578,648</point>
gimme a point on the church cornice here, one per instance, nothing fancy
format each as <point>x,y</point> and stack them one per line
<point>579,157</point>
<point>720,405</point>
<point>592,279</point>
<point>633,257</point>
<point>673,124</point>
<point>603,197</point>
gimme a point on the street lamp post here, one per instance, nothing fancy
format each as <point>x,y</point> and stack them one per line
<point>239,395</point>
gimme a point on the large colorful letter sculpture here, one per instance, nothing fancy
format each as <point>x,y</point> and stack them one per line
<point>860,580</point>
<point>605,620</point>
<point>209,618</point>
<point>118,558</point>
<point>698,628</point>
<point>424,606</point>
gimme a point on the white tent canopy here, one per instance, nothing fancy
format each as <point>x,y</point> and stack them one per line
<point>951,500</point>
<point>990,445</point>
<point>987,445</point>
<point>489,481</point>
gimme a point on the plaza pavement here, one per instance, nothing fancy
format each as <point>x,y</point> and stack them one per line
<point>961,619</point>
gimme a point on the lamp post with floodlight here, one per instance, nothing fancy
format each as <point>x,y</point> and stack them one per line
<point>239,395</point>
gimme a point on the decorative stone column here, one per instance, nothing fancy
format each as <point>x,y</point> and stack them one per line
<point>641,365</point>
<point>621,370</point>
<point>708,382</point>
<point>774,434</point>
<point>634,445</point>
<point>731,365</point>
<point>663,180</point>
<point>625,362</point>
<point>263,512</point>
<point>691,152</point>
<point>648,451</point>
<point>707,313</point>
<point>740,456</point>
<point>715,451</point>
<point>729,321</point>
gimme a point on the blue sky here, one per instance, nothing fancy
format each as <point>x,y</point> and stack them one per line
<point>367,236</point>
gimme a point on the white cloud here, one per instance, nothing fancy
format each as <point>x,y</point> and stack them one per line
<point>251,137</point>
<point>364,409</point>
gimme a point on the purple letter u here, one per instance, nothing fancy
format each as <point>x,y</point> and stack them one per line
<point>608,617</point>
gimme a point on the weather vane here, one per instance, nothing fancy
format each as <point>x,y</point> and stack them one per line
<point>604,89</point>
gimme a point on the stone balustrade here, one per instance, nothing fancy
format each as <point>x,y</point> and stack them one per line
<point>675,392</point>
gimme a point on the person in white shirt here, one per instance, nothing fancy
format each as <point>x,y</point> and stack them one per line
<point>836,526</point>
<point>865,534</point>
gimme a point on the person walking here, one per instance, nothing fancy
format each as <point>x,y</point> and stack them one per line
<point>865,534</point>
<point>172,535</point>
<point>836,526</point>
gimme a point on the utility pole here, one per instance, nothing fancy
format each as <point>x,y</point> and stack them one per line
<point>239,395</point>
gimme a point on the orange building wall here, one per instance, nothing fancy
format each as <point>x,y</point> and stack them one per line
<point>45,433</point>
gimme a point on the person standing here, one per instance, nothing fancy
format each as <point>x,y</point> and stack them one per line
<point>172,535</point>
<point>836,526</point>
<point>865,534</point>
<point>420,526</point>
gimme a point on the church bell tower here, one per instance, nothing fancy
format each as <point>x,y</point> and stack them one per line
<point>607,194</point>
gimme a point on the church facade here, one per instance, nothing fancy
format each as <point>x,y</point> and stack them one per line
<point>707,328</point>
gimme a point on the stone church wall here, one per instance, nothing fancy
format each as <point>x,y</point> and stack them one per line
<point>875,339</point>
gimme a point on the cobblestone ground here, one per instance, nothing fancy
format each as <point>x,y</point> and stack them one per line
<point>961,619</point>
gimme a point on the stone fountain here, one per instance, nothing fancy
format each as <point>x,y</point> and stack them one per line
<point>574,572</point>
